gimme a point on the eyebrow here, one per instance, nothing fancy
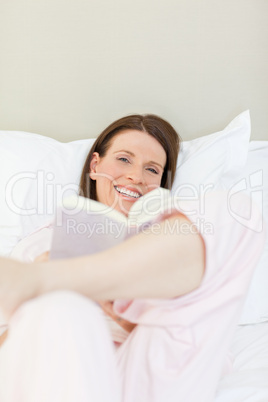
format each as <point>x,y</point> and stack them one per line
<point>132,154</point>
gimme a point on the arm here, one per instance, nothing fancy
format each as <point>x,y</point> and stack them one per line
<point>153,264</point>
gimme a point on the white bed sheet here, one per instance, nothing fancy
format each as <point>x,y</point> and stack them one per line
<point>248,381</point>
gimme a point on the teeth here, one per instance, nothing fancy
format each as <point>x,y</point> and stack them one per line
<point>127,192</point>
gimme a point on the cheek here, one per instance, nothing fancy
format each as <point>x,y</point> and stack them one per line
<point>153,182</point>
<point>109,170</point>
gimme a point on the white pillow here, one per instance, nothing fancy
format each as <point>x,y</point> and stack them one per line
<point>213,161</point>
<point>254,181</point>
<point>37,171</point>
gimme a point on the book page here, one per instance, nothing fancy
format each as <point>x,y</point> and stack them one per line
<point>83,226</point>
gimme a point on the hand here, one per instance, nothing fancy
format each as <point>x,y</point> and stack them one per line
<point>42,257</point>
<point>107,307</point>
<point>3,337</point>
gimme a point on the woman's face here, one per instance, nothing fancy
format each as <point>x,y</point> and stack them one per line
<point>132,166</point>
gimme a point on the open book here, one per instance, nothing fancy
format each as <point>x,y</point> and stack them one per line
<point>84,226</point>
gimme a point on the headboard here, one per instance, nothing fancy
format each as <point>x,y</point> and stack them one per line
<point>70,67</point>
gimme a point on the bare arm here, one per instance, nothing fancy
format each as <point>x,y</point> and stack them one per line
<point>156,264</point>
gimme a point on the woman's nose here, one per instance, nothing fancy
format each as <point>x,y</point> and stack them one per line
<point>136,175</point>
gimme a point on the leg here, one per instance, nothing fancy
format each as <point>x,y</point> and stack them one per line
<point>58,350</point>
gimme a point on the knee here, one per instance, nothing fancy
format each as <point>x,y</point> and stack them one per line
<point>57,307</point>
<point>64,300</point>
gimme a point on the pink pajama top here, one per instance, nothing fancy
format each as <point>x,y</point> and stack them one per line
<point>180,345</point>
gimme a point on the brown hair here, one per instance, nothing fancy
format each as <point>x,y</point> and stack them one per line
<point>151,124</point>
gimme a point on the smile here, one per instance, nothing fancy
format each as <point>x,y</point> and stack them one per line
<point>128,193</point>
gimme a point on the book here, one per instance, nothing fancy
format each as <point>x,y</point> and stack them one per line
<point>83,226</point>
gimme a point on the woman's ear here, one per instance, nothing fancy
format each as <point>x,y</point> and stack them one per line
<point>93,163</point>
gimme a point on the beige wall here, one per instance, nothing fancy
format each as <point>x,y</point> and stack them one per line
<point>70,67</point>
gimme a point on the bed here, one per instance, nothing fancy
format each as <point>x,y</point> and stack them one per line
<point>69,68</point>
<point>37,172</point>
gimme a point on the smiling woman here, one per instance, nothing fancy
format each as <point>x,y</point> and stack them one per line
<point>172,296</point>
<point>161,141</point>
<point>125,172</point>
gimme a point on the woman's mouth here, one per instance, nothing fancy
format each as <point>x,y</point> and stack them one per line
<point>128,193</point>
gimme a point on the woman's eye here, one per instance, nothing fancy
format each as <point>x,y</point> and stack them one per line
<point>123,159</point>
<point>153,170</point>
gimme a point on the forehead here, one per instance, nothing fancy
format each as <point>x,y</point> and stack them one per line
<point>138,142</point>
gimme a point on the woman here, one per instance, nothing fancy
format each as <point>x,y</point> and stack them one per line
<point>177,292</point>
